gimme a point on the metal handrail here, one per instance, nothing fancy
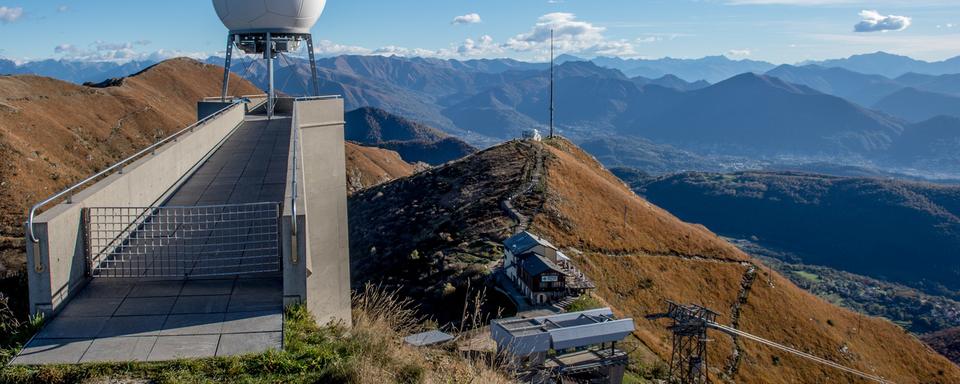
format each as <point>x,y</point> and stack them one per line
<point>327,97</point>
<point>217,98</point>
<point>296,193</point>
<point>33,210</point>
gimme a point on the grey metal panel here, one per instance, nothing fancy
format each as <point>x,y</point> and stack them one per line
<point>570,316</point>
<point>427,338</point>
<point>584,335</point>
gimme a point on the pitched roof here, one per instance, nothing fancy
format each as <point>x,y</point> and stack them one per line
<point>524,241</point>
<point>535,264</point>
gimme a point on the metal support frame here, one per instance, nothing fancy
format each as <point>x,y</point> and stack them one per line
<point>688,361</point>
<point>226,68</point>
<point>313,66</point>
<point>271,93</point>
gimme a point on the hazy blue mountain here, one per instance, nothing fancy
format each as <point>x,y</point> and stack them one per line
<point>712,68</point>
<point>671,81</point>
<point>857,87</point>
<point>914,105</point>
<point>620,151</point>
<point>761,115</point>
<point>949,84</point>
<point>933,144</point>
<point>7,67</point>
<point>892,66</point>
<point>414,142</point>
<point>76,71</point>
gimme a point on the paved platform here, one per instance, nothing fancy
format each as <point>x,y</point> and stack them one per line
<point>134,320</point>
<point>118,320</point>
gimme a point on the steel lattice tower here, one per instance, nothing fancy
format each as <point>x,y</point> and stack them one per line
<point>688,362</point>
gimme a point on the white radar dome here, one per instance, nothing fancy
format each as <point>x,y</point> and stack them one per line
<point>286,16</point>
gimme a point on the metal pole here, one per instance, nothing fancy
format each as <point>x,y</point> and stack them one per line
<point>313,66</point>
<point>270,92</point>
<point>551,84</point>
<point>226,68</point>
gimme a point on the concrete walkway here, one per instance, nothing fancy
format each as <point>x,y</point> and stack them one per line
<point>250,167</point>
<point>117,320</point>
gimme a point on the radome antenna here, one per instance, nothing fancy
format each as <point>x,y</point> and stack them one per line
<point>552,81</point>
<point>269,29</point>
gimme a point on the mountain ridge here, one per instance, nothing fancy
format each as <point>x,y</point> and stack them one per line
<point>638,254</point>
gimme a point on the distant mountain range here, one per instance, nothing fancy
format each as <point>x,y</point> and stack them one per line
<point>745,120</point>
<point>889,65</point>
<point>75,71</point>
<point>711,68</point>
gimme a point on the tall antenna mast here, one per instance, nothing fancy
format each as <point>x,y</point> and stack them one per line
<point>552,80</point>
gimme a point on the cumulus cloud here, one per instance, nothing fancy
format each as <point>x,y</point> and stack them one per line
<point>571,35</point>
<point>739,53</point>
<point>484,46</point>
<point>470,18</point>
<point>873,21</point>
<point>329,48</point>
<point>10,15</point>
<point>118,52</point>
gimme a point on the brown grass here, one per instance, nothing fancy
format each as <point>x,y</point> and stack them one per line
<point>369,166</point>
<point>590,209</point>
<point>640,255</point>
<point>384,317</point>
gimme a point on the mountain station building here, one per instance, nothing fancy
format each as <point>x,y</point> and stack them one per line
<point>540,271</point>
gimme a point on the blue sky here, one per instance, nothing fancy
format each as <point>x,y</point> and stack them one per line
<point>780,31</point>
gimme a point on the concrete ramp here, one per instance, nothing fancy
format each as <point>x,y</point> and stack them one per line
<point>193,249</point>
<point>145,302</point>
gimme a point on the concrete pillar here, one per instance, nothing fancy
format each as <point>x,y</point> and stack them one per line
<point>324,237</point>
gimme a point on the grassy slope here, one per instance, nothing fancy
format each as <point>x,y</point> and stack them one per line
<point>637,265</point>
<point>656,257</point>
<point>368,166</point>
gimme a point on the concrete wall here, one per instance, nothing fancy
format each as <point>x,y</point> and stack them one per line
<point>323,279</point>
<point>206,108</point>
<point>293,245</point>
<point>57,265</point>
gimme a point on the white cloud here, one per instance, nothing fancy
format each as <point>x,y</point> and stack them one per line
<point>571,36</point>
<point>329,48</point>
<point>63,8</point>
<point>10,15</point>
<point>484,46</point>
<point>873,21</point>
<point>470,18</point>
<point>739,52</point>
<point>118,52</point>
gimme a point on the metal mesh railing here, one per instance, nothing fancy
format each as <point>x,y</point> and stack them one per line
<point>222,240</point>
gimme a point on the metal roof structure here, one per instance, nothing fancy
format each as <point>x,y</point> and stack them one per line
<point>536,264</point>
<point>524,337</point>
<point>524,241</point>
